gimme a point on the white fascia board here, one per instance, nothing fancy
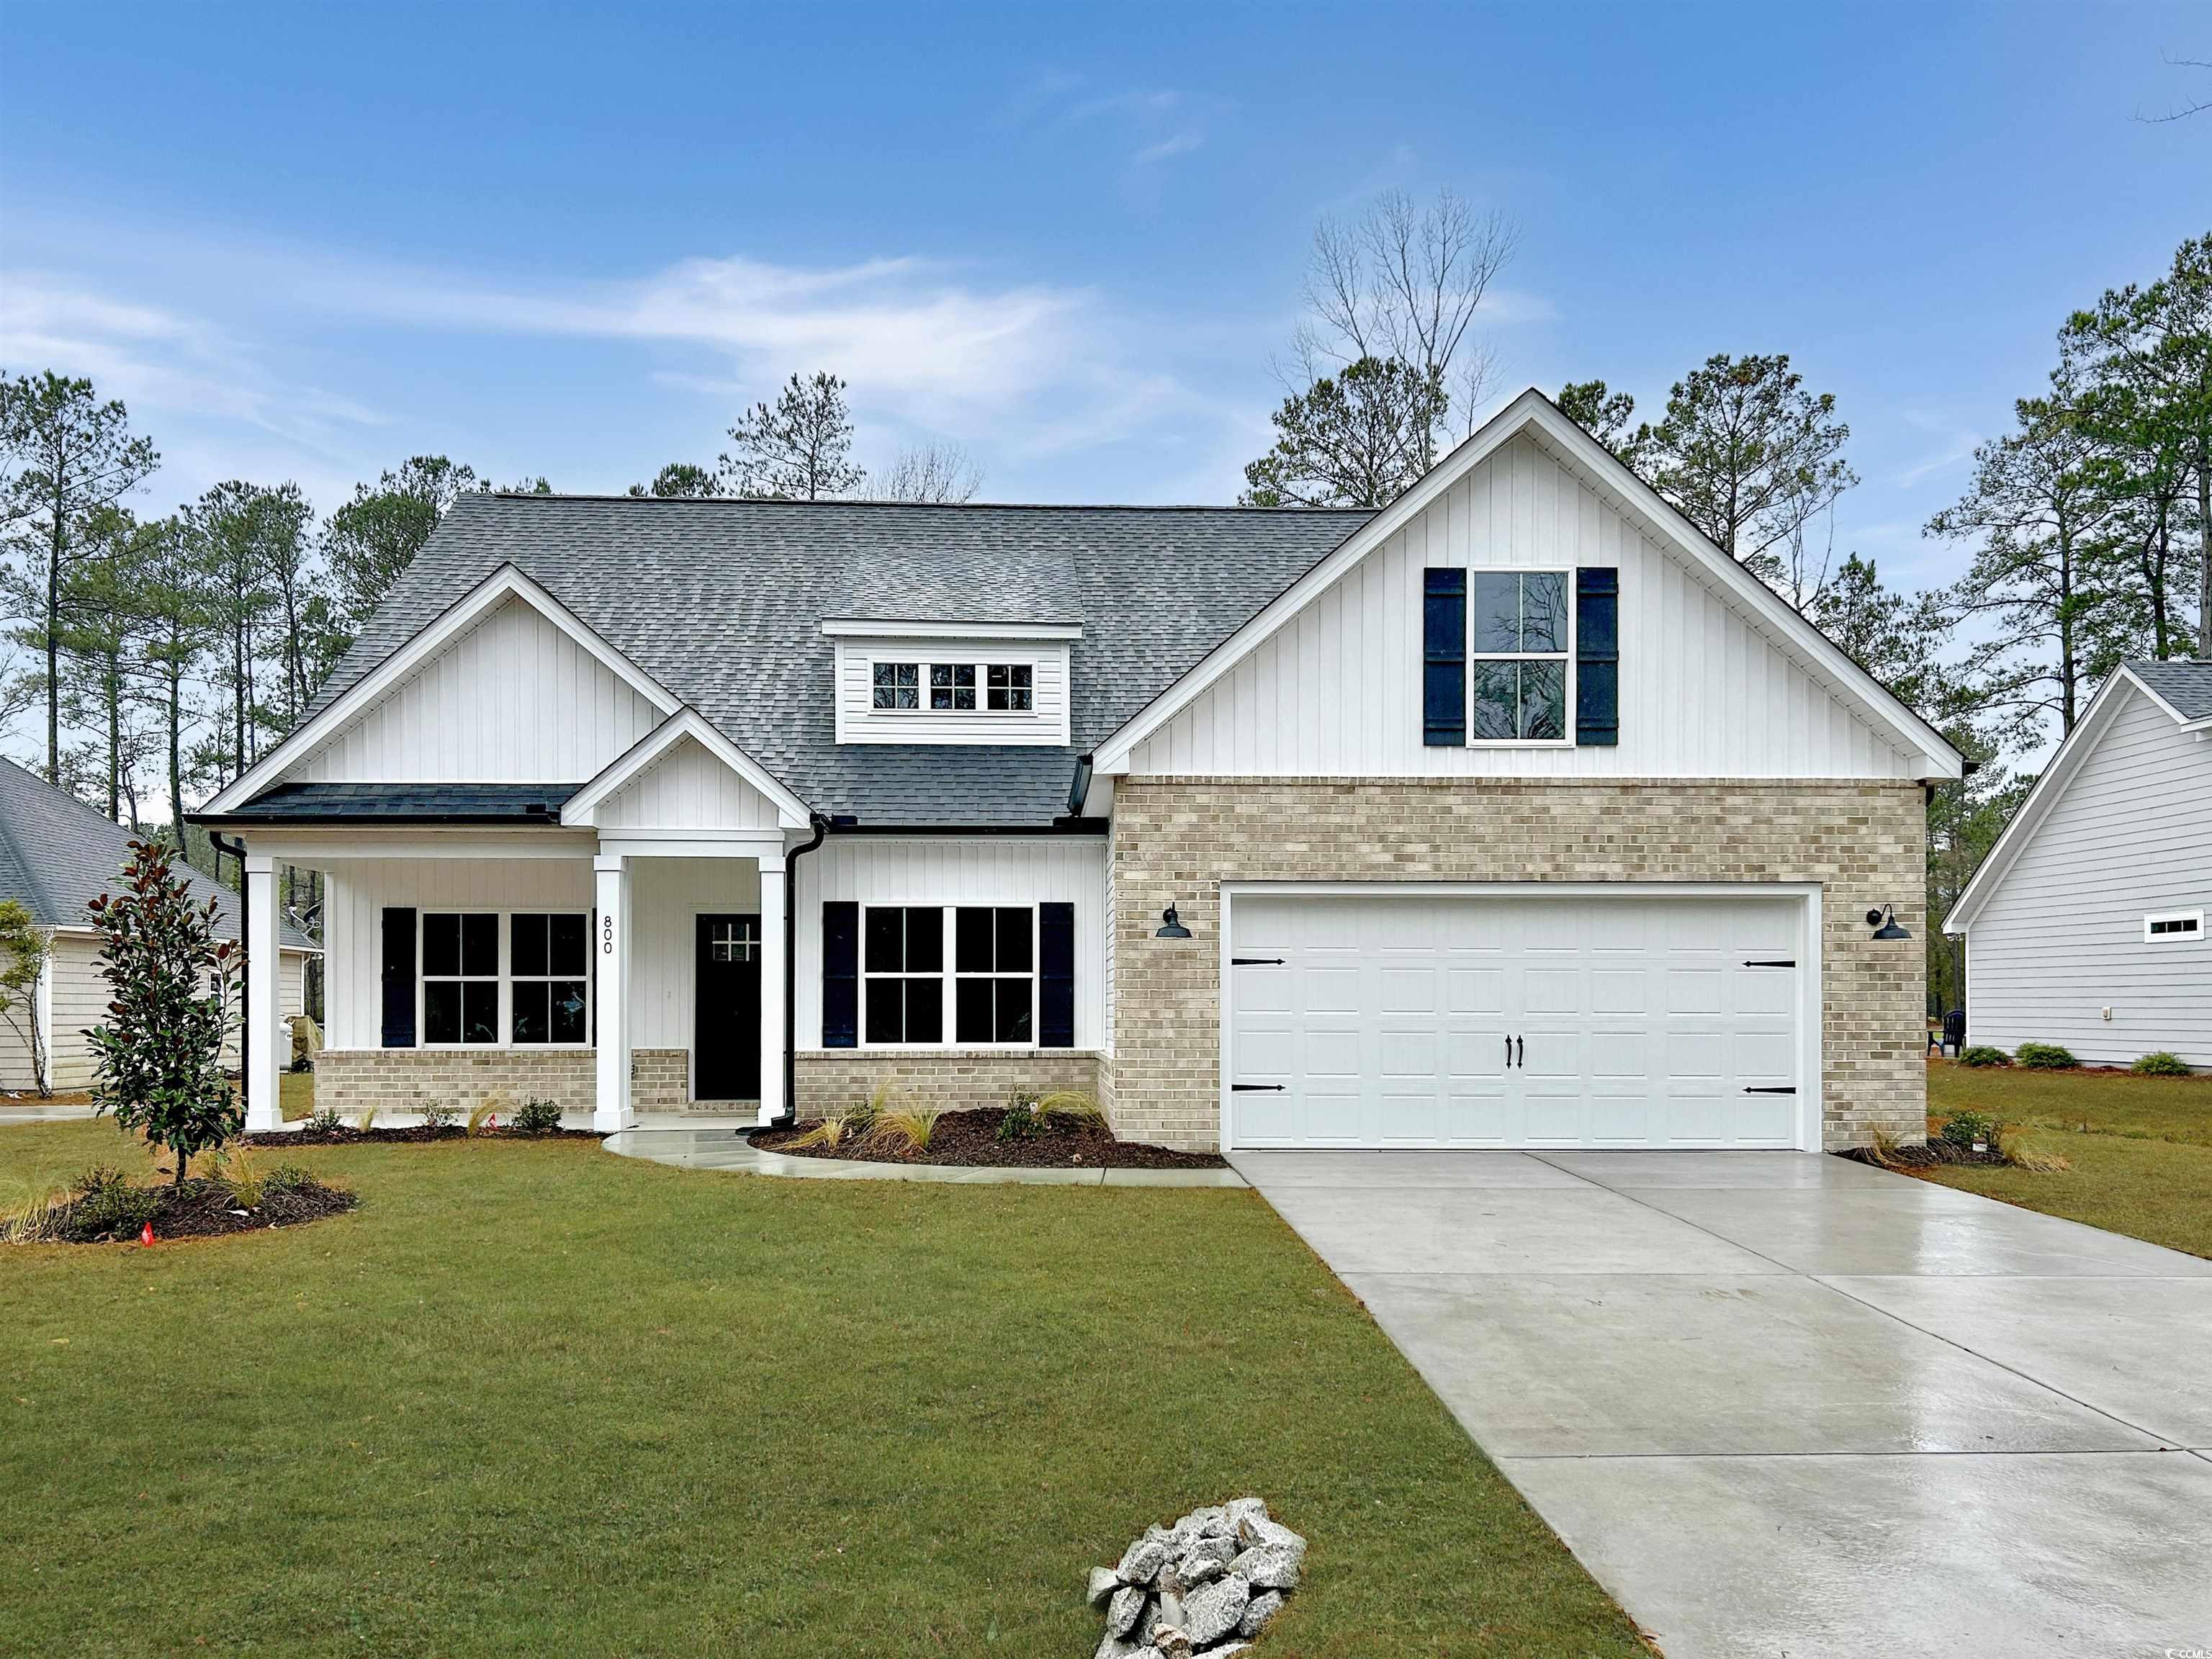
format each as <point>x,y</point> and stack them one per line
<point>1533,411</point>
<point>791,813</point>
<point>505,583</point>
<point>861,628</point>
<point>2045,794</point>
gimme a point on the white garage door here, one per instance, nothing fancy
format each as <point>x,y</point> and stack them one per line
<point>1448,1021</point>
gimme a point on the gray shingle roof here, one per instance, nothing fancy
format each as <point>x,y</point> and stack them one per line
<point>2186,685</point>
<point>723,602</point>
<point>408,803</point>
<point>56,856</point>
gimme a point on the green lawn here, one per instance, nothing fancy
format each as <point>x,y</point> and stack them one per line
<point>536,1399</point>
<point>2141,1147</point>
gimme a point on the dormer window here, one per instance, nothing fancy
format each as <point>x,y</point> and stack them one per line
<point>898,685</point>
<point>1008,685</point>
<point>952,685</point>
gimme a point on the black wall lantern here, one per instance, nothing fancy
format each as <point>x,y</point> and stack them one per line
<point>1884,923</point>
<point>1171,925</point>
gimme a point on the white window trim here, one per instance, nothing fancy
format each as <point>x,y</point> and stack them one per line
<point>509,980</point>
<point>923,665</point>
<point>1566,738</point>
<point>951,975</point>
<point>504,979</point>
<point>2193,936</point>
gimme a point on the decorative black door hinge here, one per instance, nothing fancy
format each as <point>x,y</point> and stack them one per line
<point>1771,964</point>
<point>1790,1089</point>
<point>1256,962</point>
<point>1255,1088</point>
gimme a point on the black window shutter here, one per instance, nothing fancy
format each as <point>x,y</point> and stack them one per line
<point>1056,977</point>
<point>1443,658</point>
<point>841,975</point>
<point>398,977</point>
<point>1597,656</point>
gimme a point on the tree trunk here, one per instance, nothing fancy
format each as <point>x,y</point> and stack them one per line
<point>182,1159</point>
<point>54,545</point>
<point>111,690</point>
<point>2205,553</point>
<point>176,754</point>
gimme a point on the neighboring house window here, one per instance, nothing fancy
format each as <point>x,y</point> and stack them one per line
<point>952,685</point>
<point>995,974</point>
<point>1521,628</point>
<point>2173,928</point>
<point>460,976</point>
<point>549,963</point>
<point>1006,685</point>
<point>902,971</point>
<point>898,685</point>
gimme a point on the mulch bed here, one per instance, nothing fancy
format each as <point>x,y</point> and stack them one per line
<point>971,1138</point>
<point>347,1135</point>
<point>204,1209</point>
<point>1923,1157</point>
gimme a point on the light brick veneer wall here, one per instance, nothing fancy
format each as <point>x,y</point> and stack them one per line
<point>351,1081</point>
<point>1176,840</point>
<point>834,1080</point>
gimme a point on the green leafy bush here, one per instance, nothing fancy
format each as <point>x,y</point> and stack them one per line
<point>438,1116</point>
<point>1982,1054</point>
<point>536,1116</point>
<point>1965,1128</point>
<point>2044,1057</point>
<point>109,1205</point>
<point>1023,1118</point>
<point>2162,1064</point>
<point>325,1121</point>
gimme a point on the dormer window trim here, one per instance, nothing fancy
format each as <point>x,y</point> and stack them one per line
<point>862,628</point>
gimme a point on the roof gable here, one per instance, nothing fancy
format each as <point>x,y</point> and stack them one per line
<point>684,774</point>
<point>2127,683</point>
<point>1534,416</point>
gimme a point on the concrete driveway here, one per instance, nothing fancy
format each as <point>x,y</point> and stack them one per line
<point>1784,1405</point>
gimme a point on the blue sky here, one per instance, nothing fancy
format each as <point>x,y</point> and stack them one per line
<point>305,241</point>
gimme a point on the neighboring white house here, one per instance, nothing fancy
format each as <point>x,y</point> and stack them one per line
<point>2085,925</point>
<point>1513,814</point>
<point>56,853</point>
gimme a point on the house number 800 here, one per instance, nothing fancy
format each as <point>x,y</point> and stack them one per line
<point>607,935</point>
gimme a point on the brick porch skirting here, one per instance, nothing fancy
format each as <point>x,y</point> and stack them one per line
<point>836,1080</point>
<point>352,1080</point>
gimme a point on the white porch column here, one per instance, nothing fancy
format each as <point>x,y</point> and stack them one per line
<point>773,882</point>
<point>610,950</point>
<point>263,1113</point>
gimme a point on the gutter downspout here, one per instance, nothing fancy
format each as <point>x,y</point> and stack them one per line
<point>236,848</point>
<point>791,969</point>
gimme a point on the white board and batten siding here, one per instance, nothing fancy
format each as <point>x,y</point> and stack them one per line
<point>1336,692</point>
<point>1007,870</point>
<point>514,699</point>
<point>1045,722</point>
<point>2061,939</point>
<point>686,788</point>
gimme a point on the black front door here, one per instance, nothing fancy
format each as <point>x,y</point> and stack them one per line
<point>726,1023</point>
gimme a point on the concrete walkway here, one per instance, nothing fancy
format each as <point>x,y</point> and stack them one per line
<point>1784,1405</point>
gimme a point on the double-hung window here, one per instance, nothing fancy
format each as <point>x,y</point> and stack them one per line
<point>1522,633</point>
<point>993,974</point>
<point>898,685</point>
<point>549,964</point>
<point>460,977</point>
<point>1007,686</point>
<point>902,970</point>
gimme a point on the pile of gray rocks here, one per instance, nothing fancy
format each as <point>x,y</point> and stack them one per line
<point>1207,1584</point>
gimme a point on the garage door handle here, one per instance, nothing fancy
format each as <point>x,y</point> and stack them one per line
<point>1256,1088</point>
<point>1790,1090</point>
<point>1256,962</point>
<point>1769,965</point>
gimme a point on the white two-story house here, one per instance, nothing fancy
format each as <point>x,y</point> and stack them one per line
<point>1515,814</point>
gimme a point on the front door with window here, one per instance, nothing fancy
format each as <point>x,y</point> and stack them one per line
<point>726,1029</point>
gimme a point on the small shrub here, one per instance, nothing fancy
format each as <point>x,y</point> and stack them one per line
<point>536,1116</point>
<point>1982,1054</point>
<point>906,1128</point>
<point>1965,1128</point>
<point>438,1116</point>
<point>2044,1057</point>
<point>2162,1064</point>
<point>107,1202</point>
<point>325,1121</point>
<point>1023,1118</point>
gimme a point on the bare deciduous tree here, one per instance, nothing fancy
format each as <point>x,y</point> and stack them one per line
<point>939,472</point>
<point>1404,282</point>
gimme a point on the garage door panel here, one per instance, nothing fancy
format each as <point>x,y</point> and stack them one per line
<point>1637,1023</point>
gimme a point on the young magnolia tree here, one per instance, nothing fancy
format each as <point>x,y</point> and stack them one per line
<point>159,1058</point>
<point>22,964</point>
